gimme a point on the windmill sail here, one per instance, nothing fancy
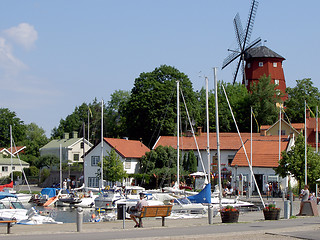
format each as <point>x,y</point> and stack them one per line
<point>243,40</point>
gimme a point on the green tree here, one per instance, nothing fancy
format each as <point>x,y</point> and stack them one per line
<point>8,118</point>
<point>48,161</point>
<point>263,100</point>
<point>190,162</point>
<point>160,163</point>
<point>304,90</point>
<point>115,119</point>
<point>151,109</point>
<point>35,139</point>
<point>75,121</point>
<point>112,167</point>
<point>293,162</point>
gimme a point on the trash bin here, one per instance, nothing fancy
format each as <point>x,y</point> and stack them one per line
<point>121,208</point>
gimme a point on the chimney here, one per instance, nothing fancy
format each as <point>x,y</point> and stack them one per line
<point>199,131</point>
<point>66,136</point>
<point>308,113</point>
<point>75,134</point>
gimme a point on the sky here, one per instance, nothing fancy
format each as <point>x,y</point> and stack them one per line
<point>56,55</point>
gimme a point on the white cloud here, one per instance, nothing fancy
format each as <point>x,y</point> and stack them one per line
<point>24,34</point>
<point>8,62</point>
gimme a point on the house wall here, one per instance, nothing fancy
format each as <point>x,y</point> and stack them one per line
<point>6,169</point>
<point>68,153</point>
<point>130,165</point>
<point>268,175</point>
<point>274,131</point>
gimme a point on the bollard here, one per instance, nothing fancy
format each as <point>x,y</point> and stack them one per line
<point>210,211</point>
<point>79,219</point>
<point>291,202</point>
<point>286,209</point>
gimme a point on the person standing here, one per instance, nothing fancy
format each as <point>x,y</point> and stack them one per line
<point>304,197</point>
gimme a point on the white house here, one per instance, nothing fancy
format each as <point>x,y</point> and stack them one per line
<point>72,148</point>
<point>7,167</point>
<point>129,151</point>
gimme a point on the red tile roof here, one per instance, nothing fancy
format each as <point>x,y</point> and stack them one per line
<point>128,148</point>
<point>228,141</point>
<point>265,153</point>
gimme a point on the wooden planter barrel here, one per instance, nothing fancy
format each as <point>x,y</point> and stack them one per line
<point>229,216</point>
<point>271,214</point>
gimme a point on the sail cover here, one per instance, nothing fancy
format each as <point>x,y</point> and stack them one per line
<point>202,197</point>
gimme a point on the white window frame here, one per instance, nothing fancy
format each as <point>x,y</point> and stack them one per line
<point>93,182</point>
<point>127,164</point>
<point>260,64</point>
<point>5,169</point>
<point>275,64</point>
<point>276,81</point>
<point>249,65</point>
<point>95,160</point>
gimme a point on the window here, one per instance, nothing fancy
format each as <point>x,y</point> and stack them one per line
<point>249,65</point>
<point>127,164</point>
<point>93,182</point>
<point>276,82</point>
<point>13,168</point>
<point>275,64</point>
<point>76,157</point>
<point>4,169</point>
<point>95,160</point>
<point>278,92</point>
<point>230,158</point>
<point>260,64</point>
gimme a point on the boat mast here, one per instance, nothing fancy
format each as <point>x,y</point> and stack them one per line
<point>208,143</point>
<point>217,132</point>
<point>11,152</point>
<point>305,143</point>
<point>101,160</point>
<point>60,155</point>
<point>178,134</point>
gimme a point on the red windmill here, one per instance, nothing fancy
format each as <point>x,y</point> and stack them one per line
<point>262,60</point>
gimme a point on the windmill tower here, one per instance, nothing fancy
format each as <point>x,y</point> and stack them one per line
<point>262,60</point>
<point>243,40</point>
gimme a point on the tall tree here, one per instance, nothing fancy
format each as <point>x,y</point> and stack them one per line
<point>75,121</point>
<point>304,90</point>
<point>151,109</point>
<point>115,118</point>
<point>293,162</point>
<point>160,163</point>
<point>8,118</point>
<point>263,100</point>
<point>113,169</point>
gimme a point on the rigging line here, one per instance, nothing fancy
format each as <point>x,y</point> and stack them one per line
<point>194,137</point>
<point>24,174</point>
<point>242,144</point>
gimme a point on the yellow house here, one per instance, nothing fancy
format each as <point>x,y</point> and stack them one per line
<point>286,129</point>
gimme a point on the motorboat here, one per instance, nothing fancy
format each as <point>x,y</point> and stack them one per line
<point>78,199</point>
<point>16,210</point>
<point>107,199</point>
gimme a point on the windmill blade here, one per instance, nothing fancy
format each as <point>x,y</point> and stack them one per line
<point>255,43</point>
<point>238,30</point>
<point>236,72</point>
<point>230,58</point>
<point>250,22</point>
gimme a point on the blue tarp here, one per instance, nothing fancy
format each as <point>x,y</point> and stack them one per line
<point>5,195</point>
<point>51,192</point>
<point>202,197</point>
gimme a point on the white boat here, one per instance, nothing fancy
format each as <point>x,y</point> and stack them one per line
<point>15,210</point>
<point>107,199</point>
